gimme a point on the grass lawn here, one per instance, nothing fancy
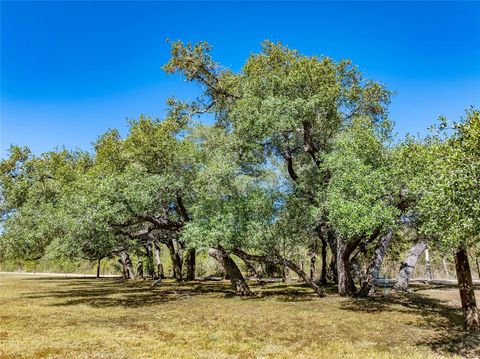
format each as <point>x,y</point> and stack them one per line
<point>42,317</point>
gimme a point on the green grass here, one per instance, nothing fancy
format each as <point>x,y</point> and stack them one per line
<point>43,317</point>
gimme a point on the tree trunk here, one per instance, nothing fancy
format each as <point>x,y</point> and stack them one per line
<point>332,270</point>
<point>190,263</point>
<point>124,269</point>
<point>176,260</point>
<point>374,268</point>
<point>160,273</point>
<point>276,259</point>
<point>467,293</point>
<point>344,277</point>
<point>150,266</point>
<point>407,267</point>
<point>291,265</point>
<point>313,258</point>
<point>127,265</point>
<point>236,278</point>
<point>346,286</point>
<point>251,271</point>
<point>478,267</point>
<point>98,268</point>
<point>358,273</point>
<point>323,276</point>
<point>428,268</point>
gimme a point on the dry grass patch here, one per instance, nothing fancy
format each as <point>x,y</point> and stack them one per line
<point>107,318</point>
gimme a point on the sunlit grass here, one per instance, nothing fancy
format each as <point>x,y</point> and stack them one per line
<point>107,318</point>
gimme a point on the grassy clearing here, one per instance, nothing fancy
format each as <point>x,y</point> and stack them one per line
<point>108,318</point>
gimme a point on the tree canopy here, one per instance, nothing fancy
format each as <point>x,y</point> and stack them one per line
<point>301,159</point>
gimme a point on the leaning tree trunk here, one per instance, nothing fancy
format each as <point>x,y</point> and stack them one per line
<point>294,267</point>
<point>190,263</point>
<point>407,267</point>
<point>346,286</point>
<point>251,271</point>
<point>160,273</point>
<point>373,270</point>
<point>467,293</point>
<point>176,259</point>
<point>127,265</point>
<point>276,259</point>
<point>239,284</point>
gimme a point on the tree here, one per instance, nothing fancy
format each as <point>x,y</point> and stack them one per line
<point>233,207</point>
<point>284,108</point>
<point>31,191</point>
<point>362,198</point>
<point>449,204</point>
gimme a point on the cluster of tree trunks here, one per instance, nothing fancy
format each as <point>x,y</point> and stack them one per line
<point>464,278</point>
<point>127,266</point>
<point>374,268</point>
<point>154,267</point>
<point>343,263</point>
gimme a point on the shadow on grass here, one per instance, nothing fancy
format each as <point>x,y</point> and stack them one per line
<point>138,293</point>
<point>118,292</point>
<point>435,314</point>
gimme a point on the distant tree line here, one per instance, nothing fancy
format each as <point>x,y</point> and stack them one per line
<point>300,158</point>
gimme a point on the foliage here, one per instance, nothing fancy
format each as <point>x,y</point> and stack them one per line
<point>449,204</point>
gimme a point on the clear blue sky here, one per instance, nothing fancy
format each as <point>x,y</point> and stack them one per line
<point>71,70</point>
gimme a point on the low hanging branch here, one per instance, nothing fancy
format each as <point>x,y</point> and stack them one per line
<point>279,260</point>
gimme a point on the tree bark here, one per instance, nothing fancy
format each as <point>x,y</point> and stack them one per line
<point>150,266</point>
<point>313,258</point>
<point>407,267</point>
<point>478,267</point>
<point>276,259</point>
<point>346,286</point>
<point>176,259</point>
<point>467,293</point>
<point>332,270</point>
<point>127,265</point>
<point>374,268</point>
<point>239,285</point>
<point>323,276</point>
<point>190,263</point>
<point>160,273</point>
<point>358,272</point>
<point>251,271</point>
